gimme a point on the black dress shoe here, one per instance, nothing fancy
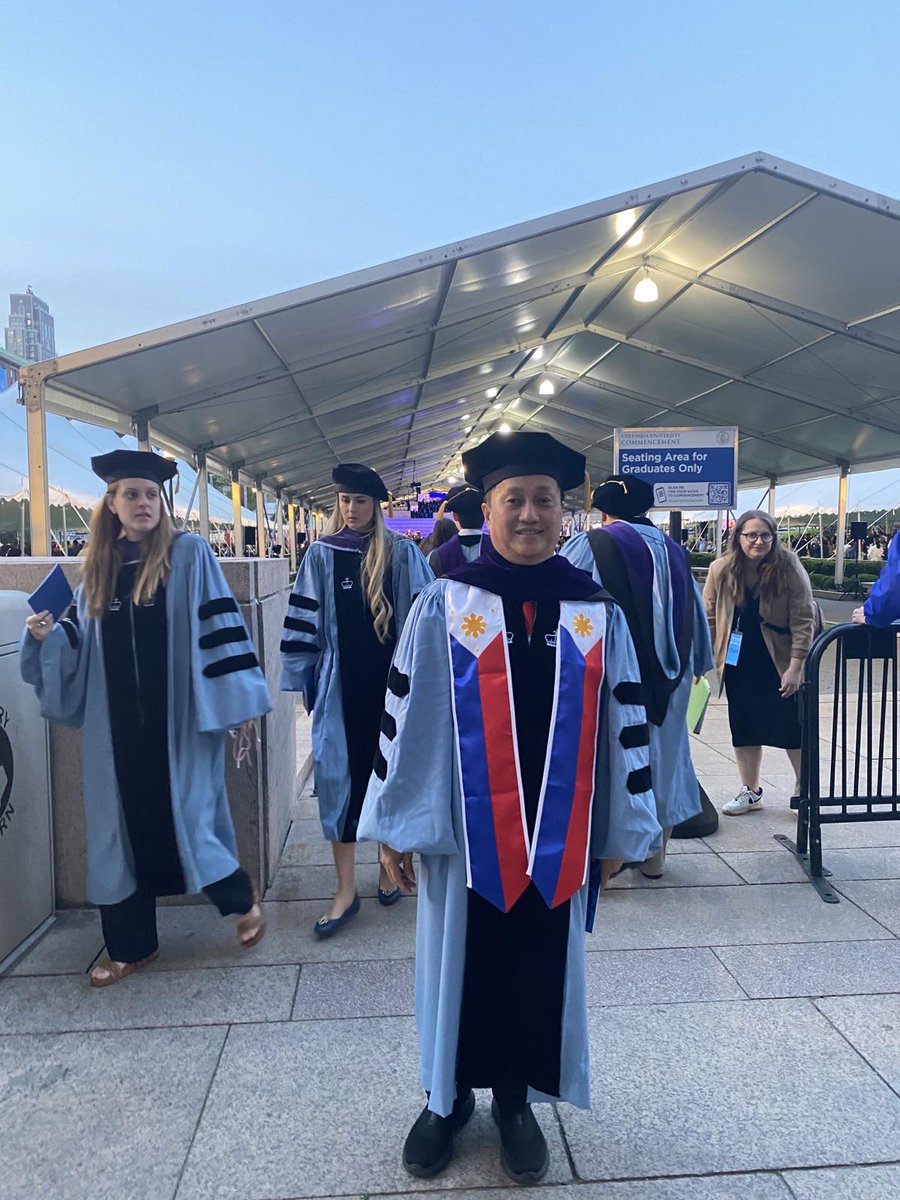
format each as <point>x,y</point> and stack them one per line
<point>523,1147</point>
<point>429,1144</point>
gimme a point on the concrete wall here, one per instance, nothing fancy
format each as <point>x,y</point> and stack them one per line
<point>260,793</point>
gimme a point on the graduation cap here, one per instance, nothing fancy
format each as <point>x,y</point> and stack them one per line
<point>360,480</point>
<point>463,498</point>
<point>133,464</point>
<point>506,455</point>
<point>623,496</point>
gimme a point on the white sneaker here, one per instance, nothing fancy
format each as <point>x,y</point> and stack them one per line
<point>745,801</point>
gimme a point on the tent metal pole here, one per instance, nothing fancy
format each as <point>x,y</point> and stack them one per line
<point>38,483</point>
<point>292,533</point>
<point>237,530</point>
<point>190,503</point>
<point>719,536</point>
<point>773,480</point>
<point>203,484</point>
<point>141,427</point>
<point>260,520</point>
<point>841,524</point>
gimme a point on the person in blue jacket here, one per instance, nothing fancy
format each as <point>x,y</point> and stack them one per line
<point>883,605</point>
<point>154,664</point>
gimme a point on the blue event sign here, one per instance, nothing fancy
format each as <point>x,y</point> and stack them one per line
<point>687,468</point>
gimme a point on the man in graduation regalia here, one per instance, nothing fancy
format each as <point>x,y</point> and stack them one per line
<point>464,504</point>
<point>650,576</point>
<point>543,776</point>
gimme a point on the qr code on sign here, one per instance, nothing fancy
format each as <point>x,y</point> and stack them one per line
<point>719,493</point>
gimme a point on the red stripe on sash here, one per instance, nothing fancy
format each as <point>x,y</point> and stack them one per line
<point>574,859</point>
<point>512,852</point>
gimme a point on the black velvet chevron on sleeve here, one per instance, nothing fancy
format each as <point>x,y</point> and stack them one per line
<point>223,637</point>
<point>227,666</point>
<point>298,626</point>
<point>306,602</point>
<point>299,646</point>
<point>380,767</point>
<point>629,692</point>
<point>388,726</point>
<point>633,736</point>
<point>640,781</point>
<point>398,683</point>
<point>215,608</point>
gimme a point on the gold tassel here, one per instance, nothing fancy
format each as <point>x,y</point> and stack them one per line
<point>441,510</point>
<point>587,491</point>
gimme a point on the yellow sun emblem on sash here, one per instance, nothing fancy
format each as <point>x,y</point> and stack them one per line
<point>473,625</point>
<point>582,625</point>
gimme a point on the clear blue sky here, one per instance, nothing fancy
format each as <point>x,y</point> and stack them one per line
<point>167,159</point>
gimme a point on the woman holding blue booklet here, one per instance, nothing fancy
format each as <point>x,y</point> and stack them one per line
<point>154,664</point>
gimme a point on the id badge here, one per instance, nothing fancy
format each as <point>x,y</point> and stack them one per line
<point>734,649</point>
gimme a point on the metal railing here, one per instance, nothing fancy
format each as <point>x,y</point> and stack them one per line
<point>849,744</point>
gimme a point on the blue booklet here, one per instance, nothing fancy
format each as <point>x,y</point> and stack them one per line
<point>54,595</point>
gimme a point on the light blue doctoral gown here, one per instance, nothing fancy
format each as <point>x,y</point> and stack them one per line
<point>67,672</point>
<point>315,669</point>
<point>675,783</point>
<point>417,806</point>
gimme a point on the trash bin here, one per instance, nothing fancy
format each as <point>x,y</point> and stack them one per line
<point>26,848</point>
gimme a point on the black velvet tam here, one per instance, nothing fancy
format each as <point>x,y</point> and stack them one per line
<point>133,464</point>
<point>359,480</point>
<point>623,496</point>
<point>508,455</point>
<point>462,497</point>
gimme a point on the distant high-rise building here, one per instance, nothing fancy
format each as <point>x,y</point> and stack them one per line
<point>30,331</point>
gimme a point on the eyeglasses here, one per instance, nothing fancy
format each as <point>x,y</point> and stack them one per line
<point>765,538</point>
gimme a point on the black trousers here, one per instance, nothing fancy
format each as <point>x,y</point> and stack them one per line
<point>129,927</point>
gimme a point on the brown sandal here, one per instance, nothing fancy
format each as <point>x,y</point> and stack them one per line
<point>254,925</point>
<point>116,972</point>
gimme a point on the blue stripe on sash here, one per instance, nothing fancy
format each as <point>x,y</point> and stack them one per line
<point>557,807</point>
<point>479,814</point>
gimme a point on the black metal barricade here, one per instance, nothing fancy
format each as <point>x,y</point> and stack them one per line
<point>849,747</point>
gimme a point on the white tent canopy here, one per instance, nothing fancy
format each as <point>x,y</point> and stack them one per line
<point>70,446</point>
<point>777,309</point>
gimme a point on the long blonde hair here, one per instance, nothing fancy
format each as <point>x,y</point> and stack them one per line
<point>772,569</point>
<point>102,559</point>
<point>376,560</point>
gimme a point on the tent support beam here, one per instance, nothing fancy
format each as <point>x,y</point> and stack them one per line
<point>260,520</point>
<point>142,431</point>
<point>38,483</point>
<point>203,484</point>
<point>841,524</point>
<point>292,534</point>
<point>237,529</point>
<point>773,482</point>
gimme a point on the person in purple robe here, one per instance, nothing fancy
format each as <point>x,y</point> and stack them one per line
<point>464,503</point>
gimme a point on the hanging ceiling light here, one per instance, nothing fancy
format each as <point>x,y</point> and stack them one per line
<point>505,428</point>
<point>451,479</point>
<point>492,392</point>
<point>547,388</point>
<point>499,404</point>
<point>646,291</point>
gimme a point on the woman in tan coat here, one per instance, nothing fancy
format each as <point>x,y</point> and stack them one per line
<point>763,619</point>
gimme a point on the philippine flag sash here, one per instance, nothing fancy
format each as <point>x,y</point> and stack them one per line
<point>500,857</point>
